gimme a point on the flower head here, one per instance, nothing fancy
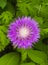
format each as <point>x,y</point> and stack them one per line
<point>24,32</point>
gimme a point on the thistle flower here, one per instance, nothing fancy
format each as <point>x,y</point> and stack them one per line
<point>24,32</point>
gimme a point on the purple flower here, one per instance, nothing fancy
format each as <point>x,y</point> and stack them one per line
<point>24,32</point>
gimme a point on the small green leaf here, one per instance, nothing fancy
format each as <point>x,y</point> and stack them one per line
<point>23,54</point>
<point>3,3</point>
<point>44,11</point>
<point>44,32</point>
<point>37,56</point>
<point>9,7</point>
<point>3,28</point>
<point>45,25</point>
<point>6,17</point>
<point>39,20</point>
<point>9,59</point>
<point>3,38</point>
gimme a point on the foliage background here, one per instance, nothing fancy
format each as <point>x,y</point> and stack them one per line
<point>9,11</point>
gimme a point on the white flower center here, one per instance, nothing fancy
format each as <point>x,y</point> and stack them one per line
<point>24,32</point>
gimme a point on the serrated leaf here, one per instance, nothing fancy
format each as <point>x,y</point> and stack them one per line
<point>3,3</point>
<point>9,7</point>
<point>44,11</point>
<point>6,17</point>
<point>21,9</point>
<point>26,8</point>
<point>30,63</point>
<point>3,38</point>
<point>9,59</point>
<point>3,28</point>
<point>37,56</point>
<point>39,20</point>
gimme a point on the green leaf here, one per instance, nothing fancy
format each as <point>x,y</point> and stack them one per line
<point>26,8</point>
<point>45,1</point>
<point>21,9</point>
<point>37,56</point>
<point>44,11</point>
<point>23,54</point>
<point>44,32</point>
<point>3,3</point>
<point>6,17</point>
<point>42,47</point>
<point>45,24</point>
<point>39,20</point>
<point>9,59</point>
<point>9,7</point>
<point>34,2</point>
<point>30,63</point>
<point>3,28</point>
<point>3,38</point>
